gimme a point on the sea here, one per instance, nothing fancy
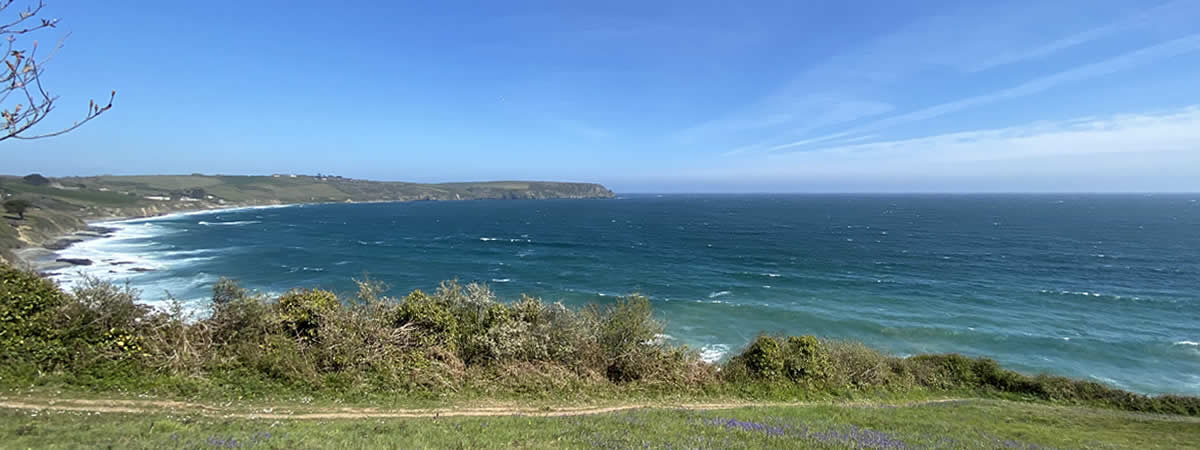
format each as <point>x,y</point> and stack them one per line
<point>1100,287</point>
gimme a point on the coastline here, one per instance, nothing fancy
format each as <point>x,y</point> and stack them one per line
<point>46,257</point>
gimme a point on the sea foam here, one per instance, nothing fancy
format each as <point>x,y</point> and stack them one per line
<point>237,222</point>
<point>712,353</point>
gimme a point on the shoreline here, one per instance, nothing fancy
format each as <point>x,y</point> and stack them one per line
<point>45,258</point>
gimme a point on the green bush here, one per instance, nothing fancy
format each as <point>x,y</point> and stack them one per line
<point>431,317</point>
<point>104,321</point>
<point>763,359</point>
<point>855,366</point>
<point>302,310</point>
<point>28,311</point>
<point>796,359</point>
<point>626,333</point>
<point>227,291</point>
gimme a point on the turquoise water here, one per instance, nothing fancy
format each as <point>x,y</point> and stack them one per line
<point>1100,287</point>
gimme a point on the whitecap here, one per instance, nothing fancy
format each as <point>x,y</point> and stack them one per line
<point>493,239</point>
<point>1188,343</point>
<point>719,294</point>
<point>712,353</point>
<point>237,222</point>
<point>501,280</point>
<point>773,275</point>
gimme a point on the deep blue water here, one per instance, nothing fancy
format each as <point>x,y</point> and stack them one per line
<point>1105,287</point>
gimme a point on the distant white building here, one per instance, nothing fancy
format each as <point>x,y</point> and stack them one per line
<point>188,199</point>
<point>157,198</point>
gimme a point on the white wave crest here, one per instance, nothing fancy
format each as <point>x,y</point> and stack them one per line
<point>236,222</point>
<point>501,280</point>
<point>494,239</point>
<point>1188,343</point>
<point>719,294</point>
<point>712,353</point>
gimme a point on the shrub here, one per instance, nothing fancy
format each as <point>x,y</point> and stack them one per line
<point>762,359</point>
<point>856,366</point>
<point>431,316</point>
<point>104,321</point>
<point>797,359</point>
<point>236,315</point>
<point>17,206</point>
<point>226,291</point>
<point>100,337</point>
<point>805,361</point>
<point>626,333</point>
<point>302,310</point>
<point>28,307</point>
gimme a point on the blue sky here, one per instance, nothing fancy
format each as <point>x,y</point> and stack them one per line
<point>791,96</point>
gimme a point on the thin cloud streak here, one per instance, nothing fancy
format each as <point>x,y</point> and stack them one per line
<point>1126,137</point>
<point>1127,61</point>
<point>1153,15</point>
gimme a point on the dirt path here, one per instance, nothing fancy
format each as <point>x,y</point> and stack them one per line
<point>151,407</point>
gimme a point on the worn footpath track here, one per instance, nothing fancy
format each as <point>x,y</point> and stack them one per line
<point>283,412</point>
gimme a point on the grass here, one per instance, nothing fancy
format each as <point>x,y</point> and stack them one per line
<point>959,424</point>
<point>80,195</point>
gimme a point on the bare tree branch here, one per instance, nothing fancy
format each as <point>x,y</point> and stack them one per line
<point>21,80</point>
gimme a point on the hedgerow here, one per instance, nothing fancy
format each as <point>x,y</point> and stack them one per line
<point>100,336</point>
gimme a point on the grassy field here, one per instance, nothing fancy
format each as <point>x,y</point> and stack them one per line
<point>948,424</point>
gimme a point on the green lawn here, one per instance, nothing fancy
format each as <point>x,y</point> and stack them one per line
<point>958,424</point>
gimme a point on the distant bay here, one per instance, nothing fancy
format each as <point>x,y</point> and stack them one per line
<point>1102,287</point>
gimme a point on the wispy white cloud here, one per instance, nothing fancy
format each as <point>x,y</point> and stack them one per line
<point>1128,138</point>
<point>867,80</point>
<point>1136,19</point>
<point>787,114</point>
<point>1126,61</point>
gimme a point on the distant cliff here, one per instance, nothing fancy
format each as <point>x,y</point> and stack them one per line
<point>62,205</point>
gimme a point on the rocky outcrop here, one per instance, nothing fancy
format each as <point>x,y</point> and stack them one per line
<point>75,261</point>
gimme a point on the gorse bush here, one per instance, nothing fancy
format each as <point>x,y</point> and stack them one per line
<point>459,337</point>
